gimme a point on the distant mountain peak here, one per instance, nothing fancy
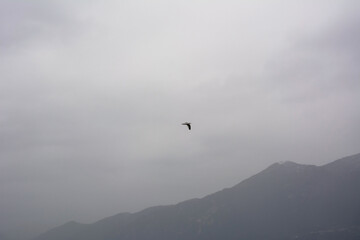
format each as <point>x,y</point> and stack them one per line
<point>287,166</point>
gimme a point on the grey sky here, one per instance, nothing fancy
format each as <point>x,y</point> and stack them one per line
<point>92,95</point>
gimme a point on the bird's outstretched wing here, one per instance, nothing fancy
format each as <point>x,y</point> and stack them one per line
<point>187,124</point>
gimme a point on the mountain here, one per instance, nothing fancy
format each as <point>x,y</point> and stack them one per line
<point>285,201</point>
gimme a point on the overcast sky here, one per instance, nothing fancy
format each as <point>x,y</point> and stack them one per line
<point>93,94</point>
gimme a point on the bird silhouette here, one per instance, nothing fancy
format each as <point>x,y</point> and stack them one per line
<point>187,124</point>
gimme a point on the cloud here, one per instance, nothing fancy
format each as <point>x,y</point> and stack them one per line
<point>24,24</point>
<point>93,94</point>
<point>322,63</point>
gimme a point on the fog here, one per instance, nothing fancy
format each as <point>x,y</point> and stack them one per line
<point>93,94</point>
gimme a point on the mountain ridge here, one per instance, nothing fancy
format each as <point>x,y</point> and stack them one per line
<point>284,201</point>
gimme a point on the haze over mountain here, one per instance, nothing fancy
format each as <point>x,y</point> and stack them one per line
<point>93,94</point>
<point>285,201</point>
<point>2,237</point>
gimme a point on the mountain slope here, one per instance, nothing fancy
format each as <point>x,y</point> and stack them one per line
<point>285,201</point>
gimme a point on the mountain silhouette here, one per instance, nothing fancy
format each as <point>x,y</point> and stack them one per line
<point>285,201</point>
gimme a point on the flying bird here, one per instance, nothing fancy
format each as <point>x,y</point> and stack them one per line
<point>187,124</point>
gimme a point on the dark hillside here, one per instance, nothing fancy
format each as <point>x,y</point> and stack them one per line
<point>285,201</point>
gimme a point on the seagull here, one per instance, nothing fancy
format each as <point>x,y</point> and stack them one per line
<point>187,124</point>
